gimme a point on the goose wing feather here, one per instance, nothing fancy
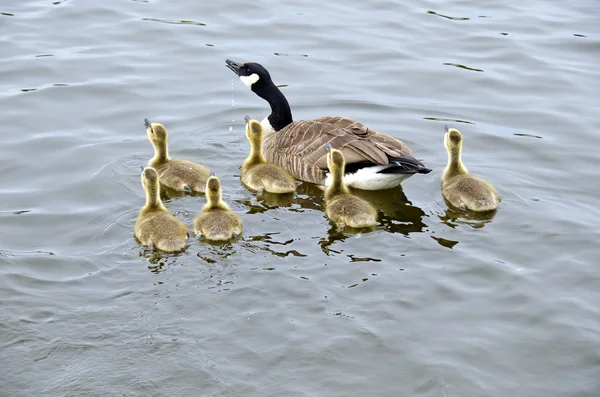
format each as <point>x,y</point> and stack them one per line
<point>300,147</point>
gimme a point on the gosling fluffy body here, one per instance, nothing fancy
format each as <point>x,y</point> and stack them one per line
<point>459,187</point>
<point>342,207</point>
<point>257,173</point>
<point>154,224</point>
<point>216,221</point>
<point>177,174</point>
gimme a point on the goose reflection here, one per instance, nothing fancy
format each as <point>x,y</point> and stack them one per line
<point>395,214</point>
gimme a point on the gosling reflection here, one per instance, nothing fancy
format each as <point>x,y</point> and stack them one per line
<point>396,213</point>
<point>476,220</point>
<point>267,241</point>
<point>167,193</point>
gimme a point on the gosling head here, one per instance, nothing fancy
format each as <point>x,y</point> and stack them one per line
<point>213,189</point>
<point>157,133</point>
<point>149,178</point>
<point>335,158</point>
<point>252,74</point>
<point>254,130</point>
<point>452,139</point>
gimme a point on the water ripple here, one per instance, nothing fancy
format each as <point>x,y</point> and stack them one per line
<point>175,22</point>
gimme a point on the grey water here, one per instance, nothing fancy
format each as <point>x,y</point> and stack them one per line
<point>432,303</point>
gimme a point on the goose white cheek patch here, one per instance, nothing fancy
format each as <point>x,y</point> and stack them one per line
<point>249,80</point>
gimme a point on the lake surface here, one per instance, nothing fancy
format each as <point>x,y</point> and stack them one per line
<point>433,303</point>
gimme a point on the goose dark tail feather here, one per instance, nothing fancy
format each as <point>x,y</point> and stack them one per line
<point>405,166</point>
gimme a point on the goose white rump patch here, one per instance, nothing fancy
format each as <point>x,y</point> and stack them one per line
<point>249,80</point>
<point>368,179</point>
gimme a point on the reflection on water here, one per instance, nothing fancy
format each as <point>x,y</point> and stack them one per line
<point>445,242</point>
<point>267,240</point>
<point>175,22</point>
<point>477,220</point>
<point>267,201</point>
<point>448,120</point>
<point>167,193</point>
<point>458,65</point>
<point>396,214</point>
<point>448,17</point>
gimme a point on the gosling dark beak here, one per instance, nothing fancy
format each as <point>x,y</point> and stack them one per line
<point>247,118</point>
<point>328,147</point>
<point>446,127</point>
<point>147,123</point>
<point>234,66</point>
<point>212,173</point>
<point>142,168</point>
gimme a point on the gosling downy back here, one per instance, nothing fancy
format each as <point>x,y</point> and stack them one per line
<point>216,221</point>
<point>176,174</point>
<point>257,173</point>
<point>155,226</point>
<point>460,188</point>
<point>373,161</point>
<point>342,207</point>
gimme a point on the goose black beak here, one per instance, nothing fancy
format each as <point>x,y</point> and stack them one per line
<point>212,173</point>
<point>147,123</point>
<point>446,128</point>
<point>328,147</point>
<point>234,66</point>
<point>246,119</point>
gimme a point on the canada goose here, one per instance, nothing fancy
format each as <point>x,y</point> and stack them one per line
<point>216,221</point>
<point>342,207</point>
<point>256,172</point>
<point>373,161</point>
<point>154,224</point>
<point>181,175</point>
<point>461,189</point>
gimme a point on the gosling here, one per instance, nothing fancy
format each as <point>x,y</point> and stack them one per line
<point>459,187</point>
<point>177,174</point>
<point>216,221</point>
<point>257,174</point>
<point>155,226</point>
<point>342,207</point>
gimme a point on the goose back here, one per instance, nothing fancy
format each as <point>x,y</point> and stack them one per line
<point>300,147</point>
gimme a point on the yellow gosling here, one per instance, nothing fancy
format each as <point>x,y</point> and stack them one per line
<point>257,173</point>
<point>216,221</point>
<point>459,187</point>
<point>342,207</point>
<point>155,226</point>
<point>177,174</point>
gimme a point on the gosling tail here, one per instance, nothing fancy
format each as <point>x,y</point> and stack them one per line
<point>486,204</point>
<point>280,186</point>
<point>171,244</point>
<point>361,220</point>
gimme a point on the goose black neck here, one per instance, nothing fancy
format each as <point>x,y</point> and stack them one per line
<point>281,114</point>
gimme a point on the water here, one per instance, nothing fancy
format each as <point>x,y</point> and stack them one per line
<point>432,304</point>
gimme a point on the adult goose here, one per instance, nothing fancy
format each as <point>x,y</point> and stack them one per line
<point>373,161</point>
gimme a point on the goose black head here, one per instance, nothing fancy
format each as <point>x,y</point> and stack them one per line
<point>252,74</point>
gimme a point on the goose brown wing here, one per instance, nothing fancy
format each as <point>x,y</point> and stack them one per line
<point>300,147</point>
